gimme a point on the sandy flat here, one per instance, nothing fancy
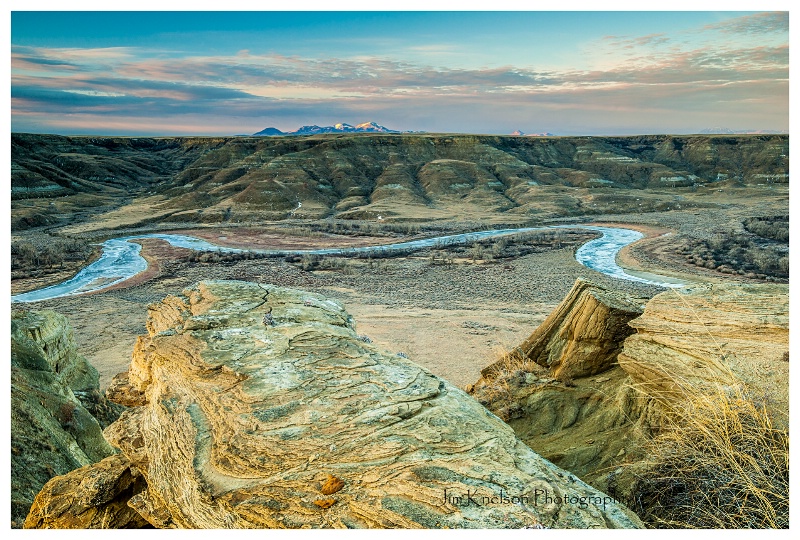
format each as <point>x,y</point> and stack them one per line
<point>453,344</point>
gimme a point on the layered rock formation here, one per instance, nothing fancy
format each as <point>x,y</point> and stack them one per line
<point>211,179</point>
<point>712,335</point>
<point>245,421</point>
<point>54,391</point>
<point>699,339</point>
<point>582,336</point>
<point>92,497</point>
<point>562,390</point>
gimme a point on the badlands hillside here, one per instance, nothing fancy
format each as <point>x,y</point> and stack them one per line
<point>418,177</point>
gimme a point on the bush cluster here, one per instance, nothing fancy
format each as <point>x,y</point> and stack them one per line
<point>519,245</point>
<point>38,257</point>
<point>222,257</point>
<point>736,254</point>
<point>772,227</point>
<point>355,228</point>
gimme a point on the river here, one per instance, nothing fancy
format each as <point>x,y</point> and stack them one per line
<point>121,259</point>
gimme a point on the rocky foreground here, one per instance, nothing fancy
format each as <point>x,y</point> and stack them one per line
<point>259,406</point>
<point>585,396</point>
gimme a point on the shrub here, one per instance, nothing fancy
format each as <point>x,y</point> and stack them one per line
<point>718,462</point>
<point>309,262</point>
<point>46,253</point>
<point>23,255</point>
<point>739,254</point>
<point>772,227</point>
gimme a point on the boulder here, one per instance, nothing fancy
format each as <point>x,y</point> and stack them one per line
<point>582,336</point>
<point>52,431</point>
<point>295,422</point>
<point>98,498</point>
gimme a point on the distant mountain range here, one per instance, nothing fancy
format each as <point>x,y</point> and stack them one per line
<point>518,133</point>
<point>728,131</point>
<point>366,127</point>
<point>372,127</point>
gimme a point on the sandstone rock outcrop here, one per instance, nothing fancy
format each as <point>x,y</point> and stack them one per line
<point>51,336</point>
<point>98,498</point>
<point>582,336</point>
<point>299,423</point>
<point>52,431</point>
<point>696,339</point>
<point>562,391</point>
<point>712,335</point>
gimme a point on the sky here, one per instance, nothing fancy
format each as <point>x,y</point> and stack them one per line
<point>567,73</point>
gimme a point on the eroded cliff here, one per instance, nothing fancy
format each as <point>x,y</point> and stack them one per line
<point>54,393</point>
<point>706,340</point>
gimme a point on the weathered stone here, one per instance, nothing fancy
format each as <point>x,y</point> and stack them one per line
<point>556,419</point>
<point>92,497</point>
<point>582,336</point>
<point>50,336</point>
<point>52,432</point>
<point>245,424</point>
<point>711,336</point>
<point>121,391</point>
<point>687,341</point>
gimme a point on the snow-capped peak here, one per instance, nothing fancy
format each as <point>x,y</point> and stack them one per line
<point>366,127</point>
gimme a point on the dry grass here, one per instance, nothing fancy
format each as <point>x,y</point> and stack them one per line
<point>511,361</point>
<point>495,387</point>
<point>498,388</point>
<point>718,462</point>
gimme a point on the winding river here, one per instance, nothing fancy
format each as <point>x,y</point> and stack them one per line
<point>121,259</point>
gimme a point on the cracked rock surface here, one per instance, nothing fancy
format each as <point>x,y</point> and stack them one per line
<point>235,423</point>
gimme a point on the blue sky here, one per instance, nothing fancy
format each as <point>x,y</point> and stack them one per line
<point>189,73</point>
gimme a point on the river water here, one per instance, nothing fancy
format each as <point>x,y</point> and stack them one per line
<point>121,259</point>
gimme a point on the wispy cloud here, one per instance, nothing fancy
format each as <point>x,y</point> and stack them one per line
<point>656,76</point>
<point>757,24</point>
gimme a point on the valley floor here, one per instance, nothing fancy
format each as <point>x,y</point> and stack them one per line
<point>451,317</point>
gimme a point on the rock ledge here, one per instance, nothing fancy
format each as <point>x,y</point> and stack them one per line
<point>300,424</point>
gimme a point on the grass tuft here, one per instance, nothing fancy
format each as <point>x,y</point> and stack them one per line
<point>718,462</point>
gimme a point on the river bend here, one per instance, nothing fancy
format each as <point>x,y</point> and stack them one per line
<point>121,259</point>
